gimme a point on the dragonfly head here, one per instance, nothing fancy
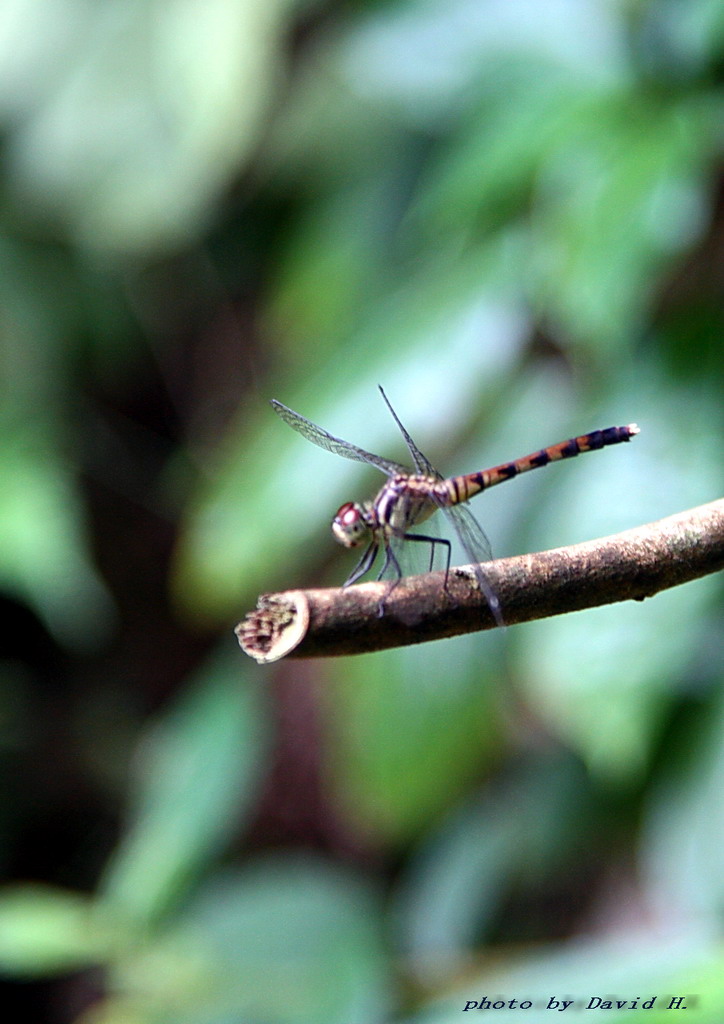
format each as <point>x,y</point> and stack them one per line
<point>350,526</point>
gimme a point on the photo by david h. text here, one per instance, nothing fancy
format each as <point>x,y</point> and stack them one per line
<point>561,1004</point>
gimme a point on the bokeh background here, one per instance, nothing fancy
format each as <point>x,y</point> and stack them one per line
<point>510,213</point>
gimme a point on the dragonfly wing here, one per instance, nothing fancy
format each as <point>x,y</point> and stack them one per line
<point>470,533</point>
<point>422,463</point>
<point>334,444</point>
<point>477,548</point>
<point>424,554</point>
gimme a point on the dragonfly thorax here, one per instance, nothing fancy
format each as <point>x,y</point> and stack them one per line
<point>351,525</point>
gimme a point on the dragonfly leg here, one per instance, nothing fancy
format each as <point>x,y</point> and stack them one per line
<point>432,541</point>
<point>390,559</point>
<point>364,565</point>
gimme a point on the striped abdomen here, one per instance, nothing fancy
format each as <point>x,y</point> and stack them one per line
<point>460,488</point>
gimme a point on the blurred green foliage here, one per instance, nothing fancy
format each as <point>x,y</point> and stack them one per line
<point>510,215</point>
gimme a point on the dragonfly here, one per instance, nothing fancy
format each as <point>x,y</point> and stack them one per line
<point>409,498</point>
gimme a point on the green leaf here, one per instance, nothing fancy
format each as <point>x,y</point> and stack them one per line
<point>682,851</point>
<point>197,774</point>
<point>617,201</point>
<point>288,940</point>
<point>44,559</point>
<point>485,170</point>
<point>44,931</point>
<point>456,881</point>
<point>146,117</point>
<point>411,732</point>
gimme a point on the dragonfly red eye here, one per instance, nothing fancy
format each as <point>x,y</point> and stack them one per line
<point>348,514</point>
<point>349,525</point>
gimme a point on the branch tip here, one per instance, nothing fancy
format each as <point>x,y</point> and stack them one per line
<point>275,627</point>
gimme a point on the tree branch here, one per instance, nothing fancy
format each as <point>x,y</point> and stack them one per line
<point>634,565</point>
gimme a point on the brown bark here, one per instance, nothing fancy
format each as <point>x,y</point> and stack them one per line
<point>632,565</point>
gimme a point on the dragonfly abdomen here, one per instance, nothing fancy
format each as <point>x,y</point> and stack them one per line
<point>462,488</point>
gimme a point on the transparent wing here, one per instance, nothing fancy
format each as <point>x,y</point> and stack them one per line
<point>477,547</point>
<point>425,555</point>
<point>422,463</point>
<point>334,444</point>
<point>470,533</point>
